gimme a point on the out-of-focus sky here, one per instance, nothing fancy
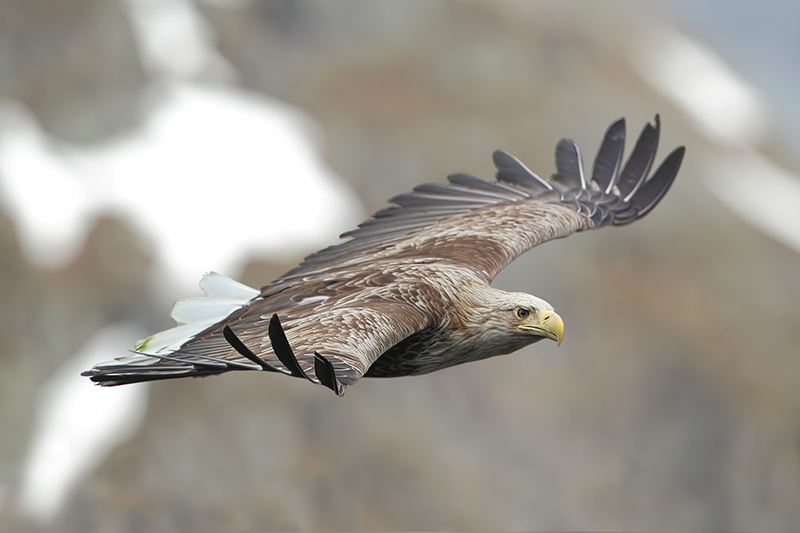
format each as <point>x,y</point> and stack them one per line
<point>760,41</point>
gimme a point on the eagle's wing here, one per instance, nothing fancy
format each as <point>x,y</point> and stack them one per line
<point>329,331</point>
<point>486,224</point>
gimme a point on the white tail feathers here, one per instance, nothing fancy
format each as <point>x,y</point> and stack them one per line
<point>195,310</point>
<point>219,286</point>
<point>193,315</point>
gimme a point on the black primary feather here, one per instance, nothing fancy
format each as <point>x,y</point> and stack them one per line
<point>512,171</point>
<point>243,350</point>
<point>654,190</point>
<point>641,159</point>
<point>609,157</point>
<point>282,349</point>
<point>569,165</point>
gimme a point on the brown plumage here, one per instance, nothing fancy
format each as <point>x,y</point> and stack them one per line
<point>409,292</point>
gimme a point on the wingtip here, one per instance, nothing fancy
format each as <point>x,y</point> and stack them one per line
<point>569,165</point>
<point>326,374</point>
<point>502,159</point>
<point>637,168</point>
<point>608,160</point>
<point>512,170</point>
<point>242,349</point>
<point>323,368</point>
<point>651,193</point>
<point>616,131</point>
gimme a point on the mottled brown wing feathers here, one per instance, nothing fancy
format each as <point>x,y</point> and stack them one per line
<point>349,319</point>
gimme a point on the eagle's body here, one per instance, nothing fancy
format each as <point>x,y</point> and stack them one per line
<point>409,292</point>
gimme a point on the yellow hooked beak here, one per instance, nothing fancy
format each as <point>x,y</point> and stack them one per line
<point>549,325</point>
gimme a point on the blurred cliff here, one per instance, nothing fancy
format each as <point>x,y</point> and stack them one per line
<point>673,402</point>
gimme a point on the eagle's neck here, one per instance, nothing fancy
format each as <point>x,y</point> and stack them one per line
<point>481,307</point>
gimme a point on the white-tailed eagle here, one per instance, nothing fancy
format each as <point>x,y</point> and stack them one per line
<point>408,292</point>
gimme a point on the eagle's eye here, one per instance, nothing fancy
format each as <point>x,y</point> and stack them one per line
<point>522,312</point>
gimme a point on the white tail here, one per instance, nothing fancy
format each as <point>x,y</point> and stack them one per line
<point>193,315</point>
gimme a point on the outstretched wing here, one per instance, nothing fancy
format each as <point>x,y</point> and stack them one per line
<point>329,331</point>
<point>486,224</point>
<point>349,333</point>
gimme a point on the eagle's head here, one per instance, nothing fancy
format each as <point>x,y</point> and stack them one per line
<point>517,317</point>
<point>538,320</point>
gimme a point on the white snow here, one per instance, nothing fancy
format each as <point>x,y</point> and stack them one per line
<point>78,424</point>
<point>213,176</point>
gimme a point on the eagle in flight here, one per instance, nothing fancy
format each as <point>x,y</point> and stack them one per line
<point>408,293</point>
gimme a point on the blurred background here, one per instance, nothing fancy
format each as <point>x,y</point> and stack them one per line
<point>146,142</point>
